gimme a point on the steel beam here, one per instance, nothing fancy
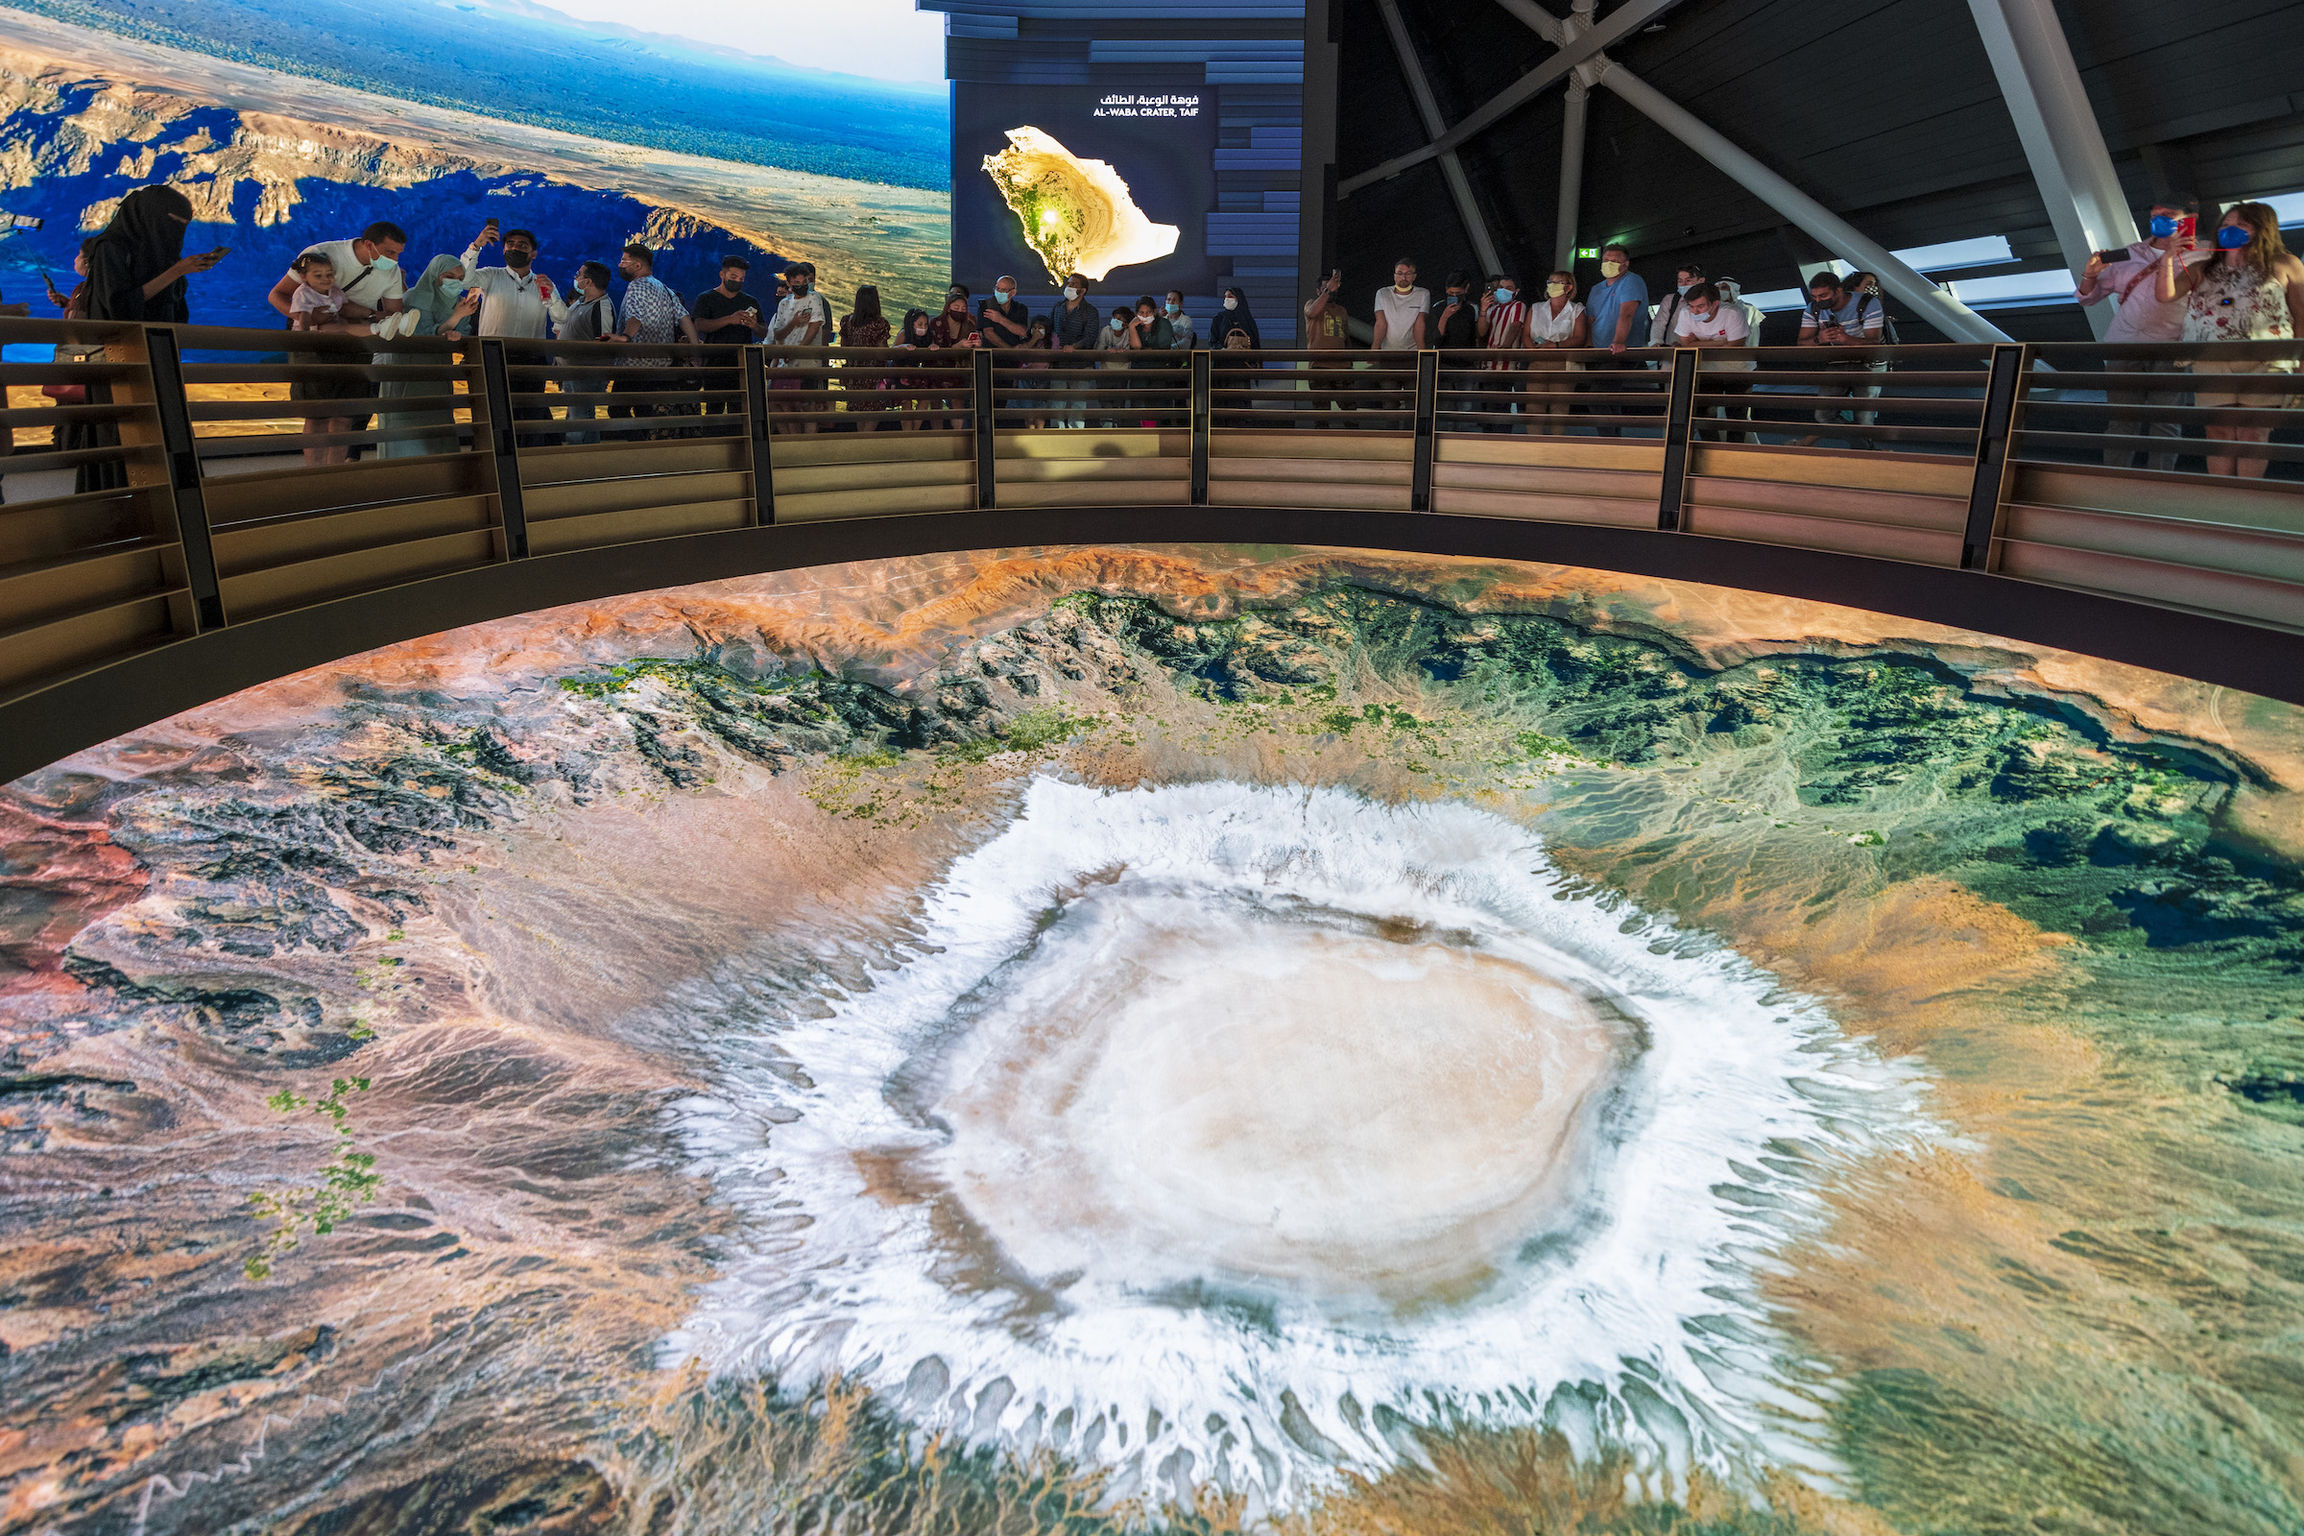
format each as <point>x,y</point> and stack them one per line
<point>1451,168</point>
<point>1575,48</point>
<point>2062,142</point>
<point>1927,301</point>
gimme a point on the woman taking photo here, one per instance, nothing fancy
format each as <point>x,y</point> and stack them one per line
<point>2249,288</point>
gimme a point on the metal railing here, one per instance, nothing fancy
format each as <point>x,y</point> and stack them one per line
<point>168,482</point>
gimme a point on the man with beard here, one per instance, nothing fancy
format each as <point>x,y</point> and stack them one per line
<point>803,319</point>
<point>517,301</point>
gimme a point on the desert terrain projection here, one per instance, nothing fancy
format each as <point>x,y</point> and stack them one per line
<point>1199,1038</point>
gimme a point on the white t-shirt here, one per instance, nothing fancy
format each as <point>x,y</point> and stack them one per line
<point>797,312</point>
<point>364,283</point>
<point>1543,325</point>
<point>1401,311</point>
<point>1726,323</point>
<point>311,301</point>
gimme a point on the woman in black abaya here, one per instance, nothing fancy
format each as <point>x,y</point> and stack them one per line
<point>136,271</point>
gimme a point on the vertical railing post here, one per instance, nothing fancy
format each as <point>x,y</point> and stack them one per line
<point>756,426</point>
<point>1203,401</point>
<point>504,449</point>
<point>1987,489</point>
<point>1427,430</point>
<point>982,404</point>
<point>1679,427</point>
<point>191,506</point>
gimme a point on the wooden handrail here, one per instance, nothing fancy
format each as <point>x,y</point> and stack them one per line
<point>482,460</point>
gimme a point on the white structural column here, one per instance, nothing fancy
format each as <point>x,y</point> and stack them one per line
<point>1927,301</point>
<point>1451,168</point>
<point>2071,165</point>
<point>1571,181</point>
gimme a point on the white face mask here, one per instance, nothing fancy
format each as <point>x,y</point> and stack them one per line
<point>1072,293</point>
<point>1612,269</point>
<point>1231,302</point>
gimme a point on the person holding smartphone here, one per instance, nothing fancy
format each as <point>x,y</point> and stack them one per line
<point>2129,279</point>
<point>1328,328</point>
<point>2248,287</point>
<point>1837,318</point>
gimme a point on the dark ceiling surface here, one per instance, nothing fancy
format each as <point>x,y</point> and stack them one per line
<point>1885,111</point>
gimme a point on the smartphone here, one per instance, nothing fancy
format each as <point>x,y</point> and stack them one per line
<point>2185,226</point>
<point>2109,257</point>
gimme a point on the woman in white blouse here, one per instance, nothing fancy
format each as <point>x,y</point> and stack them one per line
<point>1556,324</point>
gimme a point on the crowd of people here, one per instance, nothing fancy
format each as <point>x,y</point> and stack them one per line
<point>2242,285</point>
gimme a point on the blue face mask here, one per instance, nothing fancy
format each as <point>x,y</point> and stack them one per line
<point>1503,295</point>
<point>2162,226</point>
<point>2233,237</point>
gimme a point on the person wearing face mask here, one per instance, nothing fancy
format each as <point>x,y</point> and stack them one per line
<point>1232,316</point>
<point>1183,332</point>
<point>591,318</point>
<point>1152,334</point>
<point>1660,330</point>
<point>1402,311</point>
<point>1556,324</point>
<point>1073,326</point>
<point>1116,341</point>
<point>1618,308</point>
<point>912,395</point>
<point>1003,319</point>
<point>953,328</point>
<point>2130,279</point>
<point>442,306</point>
<point>803,319</point>
<point>1454,328</point>
<point>2248,288</point>
<point>1503,328</point>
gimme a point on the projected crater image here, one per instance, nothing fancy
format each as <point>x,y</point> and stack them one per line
<point>1077,215</point>
<point>1162,1038</point>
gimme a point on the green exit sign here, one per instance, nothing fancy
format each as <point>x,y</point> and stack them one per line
<point>1587,253</point>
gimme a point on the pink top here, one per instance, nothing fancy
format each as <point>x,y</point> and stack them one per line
<point>2135,283</point>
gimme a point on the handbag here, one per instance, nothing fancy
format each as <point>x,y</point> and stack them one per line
<point>71,394</point>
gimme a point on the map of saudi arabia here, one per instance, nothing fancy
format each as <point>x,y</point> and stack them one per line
<point>1077,215</point>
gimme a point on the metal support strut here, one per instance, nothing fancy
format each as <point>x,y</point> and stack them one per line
<point>1427,429</point>
<point>191,505</point>
<point>756,424</point>
<point>983,414</point>
<point>2003,387</point>
<point>504,449</point>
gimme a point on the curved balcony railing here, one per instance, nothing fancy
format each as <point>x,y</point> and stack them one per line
<point>169,485</point>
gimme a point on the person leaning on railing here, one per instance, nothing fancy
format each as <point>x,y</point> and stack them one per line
<point>1554,324</point>
<point>914,335</point>
<point>439,305</point>
<point>1073,326</point>
<point>953,328</point>
<point>1619,309</point>
<point>2248,289</point>
<point>2131,279</point>
<point>1456,329</point>
<point>865,385</point>
<point>652,314</point>
<point>1503,327</point>
<point>137,271</point>
<point>1704,319</point>
<point>591,317</point>
<point>1837,318</point>
<point>1150,334</point>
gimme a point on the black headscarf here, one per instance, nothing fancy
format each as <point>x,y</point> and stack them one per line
<point>1230,320</point>
<point>144,239</point>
